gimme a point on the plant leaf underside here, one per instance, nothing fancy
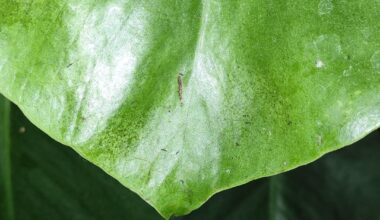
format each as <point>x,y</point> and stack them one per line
<point>180,100</point>
<point>50,181</point>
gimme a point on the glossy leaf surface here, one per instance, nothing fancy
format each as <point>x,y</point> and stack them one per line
<point>50,181</point>
<point>342,185</point>
<point>181,99</point>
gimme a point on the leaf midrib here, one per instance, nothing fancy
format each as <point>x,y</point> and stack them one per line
<point>6,210</point>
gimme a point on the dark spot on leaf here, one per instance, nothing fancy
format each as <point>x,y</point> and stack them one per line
<point>180,89</point>
<point>182,182</point>
<point>68,66</point>
<point>163,149</point>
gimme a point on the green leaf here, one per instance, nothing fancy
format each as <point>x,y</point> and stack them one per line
<point>50,181</point>
<point>343,185</point>
<point>180,100</point>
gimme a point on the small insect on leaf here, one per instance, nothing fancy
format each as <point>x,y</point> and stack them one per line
<point>180,89</point>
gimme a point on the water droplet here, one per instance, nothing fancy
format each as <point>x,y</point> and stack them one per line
<point>375,60</point>
<point>325,7</point>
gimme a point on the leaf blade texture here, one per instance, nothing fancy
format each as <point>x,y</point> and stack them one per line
<point>179,101</point>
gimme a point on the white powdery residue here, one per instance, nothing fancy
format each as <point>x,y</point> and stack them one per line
<point>363,124</point>
<point>161,133</point>
<point>325,50</point>
<point>108,54</point>
<point>2,60</point>
<point>319,64</point>
<point>3,57</point>
<point>205,83</point>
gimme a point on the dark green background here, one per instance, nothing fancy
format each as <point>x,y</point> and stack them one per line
<point>51,181</point>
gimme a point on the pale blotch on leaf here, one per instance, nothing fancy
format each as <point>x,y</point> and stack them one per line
<point>319,140</point>
<point>375,60</point>
<point>347,72</point>
<point>358,92</point>
<point>325,7</point>
<point>324,51</point>
<point>319,64</point>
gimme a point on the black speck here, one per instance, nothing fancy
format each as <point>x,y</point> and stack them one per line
<point>163,149</point>
<point>68,66</point>
<point>182,182</point>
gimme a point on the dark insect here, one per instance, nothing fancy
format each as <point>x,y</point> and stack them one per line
<point>180,90</point>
